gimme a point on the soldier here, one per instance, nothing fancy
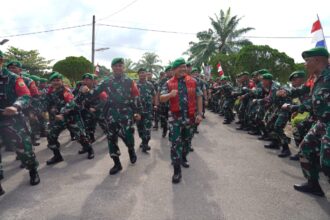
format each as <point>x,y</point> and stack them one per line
<point>229,99</point>
<point>14,97</point>
<point>63,113</point>
<point>122,107</point>
<point>315,148</point>
<point>148,100</point>
<point>184,97</point>
<point>155,111</point>
<point>164,107</point>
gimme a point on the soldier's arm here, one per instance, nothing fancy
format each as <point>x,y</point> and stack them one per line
<point>135,95</point>
<point>23,95</point>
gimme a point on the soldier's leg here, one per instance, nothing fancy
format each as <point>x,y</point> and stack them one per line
<point>126,133</point>
<point>89,121</point>
<point>42,125</point>
<point>77,127</point>
<point>112,135</point>
<point>34,127</point>
<point>310,159</point>
<point>147,135</point>
<point>55,128</point>
<point>156,118</point>
<point>186,136</point>
<point>1,168</point>
<point>325,152</point>
<point>176,150</point>
<point>279,126</point>
<point>24,150</point>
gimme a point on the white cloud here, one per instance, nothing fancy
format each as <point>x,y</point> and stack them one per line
<point>269,18</point>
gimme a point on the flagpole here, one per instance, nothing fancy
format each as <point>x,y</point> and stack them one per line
<point>325,42</point>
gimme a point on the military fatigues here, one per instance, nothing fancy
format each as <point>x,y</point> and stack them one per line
<point>163,109</point>
<point>14,92</point>
<point>123,102</point>
<point>228,103</point>
<point>147,93</point>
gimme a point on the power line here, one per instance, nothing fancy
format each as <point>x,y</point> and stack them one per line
<point>46,31</point>
<point>120,10</point>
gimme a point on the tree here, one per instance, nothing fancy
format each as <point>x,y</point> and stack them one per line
<point>223,37</point>
<point>151,62</point>
<point>31,60</point>
<point>228,64</point>
<point>129,65</point>
<point>73,67</point>
<point>253,57</point>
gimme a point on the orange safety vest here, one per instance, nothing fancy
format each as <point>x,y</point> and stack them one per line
<point>191,90</point>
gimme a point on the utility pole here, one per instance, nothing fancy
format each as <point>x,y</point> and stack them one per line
<point>93,43</point>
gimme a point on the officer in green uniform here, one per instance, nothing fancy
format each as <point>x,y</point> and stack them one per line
<point>315,148</point>
<point>148,100</point>
<point>229,100</point>
<point>123,106</point>
<point>14,97</point>
<point>184,98</point>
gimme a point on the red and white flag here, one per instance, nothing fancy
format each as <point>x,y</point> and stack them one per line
<point>220,70</point>
<point>318,35</point>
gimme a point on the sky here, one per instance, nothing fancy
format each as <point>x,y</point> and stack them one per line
<point>280,18</point>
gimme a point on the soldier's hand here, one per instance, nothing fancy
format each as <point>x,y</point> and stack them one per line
<point>59,118</point>
<point>9,111</point>
<point>281,93</point>
<point>137,117</point>
<point>198,119</point>
<point>92,109</point>
<point>285,106</point>
<point>84,89</point>
<point>254,100</point>
<point>173,93</point>
<point>294,114</point>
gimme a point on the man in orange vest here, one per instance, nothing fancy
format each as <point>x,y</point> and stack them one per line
<point>185,99</point>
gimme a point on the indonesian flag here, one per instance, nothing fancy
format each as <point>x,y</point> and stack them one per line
<point>318,36</point>
<point>220,71</point>
<point>97,70</point>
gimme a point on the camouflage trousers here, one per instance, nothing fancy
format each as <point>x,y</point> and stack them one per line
<point>15,131</point>
<point>144,127</point>
<point>280,123</point>
<point>242,110</point>
<point>90,121</point>
<point>228,109</point>
<point>123,130</point>
<point>74,124</point>
<point>315,151</point>
<point>301,129</point>
<point>180,137</point>
<point>163,115</point>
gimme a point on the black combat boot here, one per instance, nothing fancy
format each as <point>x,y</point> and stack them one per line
<point>272,145</point>
<point>90,152</point>
<point>132,155</point>
<point>34,177</point>
<point>226,122</point>
<point>312,187</point>
<point>117,166</point>
<point>92,138</point>
<point>185,162</point>
<point>176,178</point>
<point>1,190</point>
<point>294,157</point>
<point>164,132</point>
<point>285,151</point>
<point>56,158</point>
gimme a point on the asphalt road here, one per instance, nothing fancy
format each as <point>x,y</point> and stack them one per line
<point>231,177</point>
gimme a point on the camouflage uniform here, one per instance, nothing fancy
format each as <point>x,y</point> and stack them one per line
<point>228,103</point>
<point>14,92</point>
<point>147,93</point>
<point>123,102</point>
<point>163,109</point>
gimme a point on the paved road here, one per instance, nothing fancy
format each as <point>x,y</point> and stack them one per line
<point>231,177</point>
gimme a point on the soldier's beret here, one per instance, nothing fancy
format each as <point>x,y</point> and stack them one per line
<point>43,80</point>
<point>178,62</point>
<point>255,73</point>
<point>316,52</point>
<point>267,76</point>
<point>55,75</point>
<point>224,78</point>
<point>142,70</point>
<point>297,74</point>
<point>88,76</point>
<point>117,60</point>
<point>14,63</point>
<point>262,71</point>
<point>168,68</point>
<point>194,70</point>
<point>34,78</point>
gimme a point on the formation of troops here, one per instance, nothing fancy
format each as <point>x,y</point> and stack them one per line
<point>32,107</point>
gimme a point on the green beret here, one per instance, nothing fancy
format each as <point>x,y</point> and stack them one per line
<point>297,74</point>
<point>194,69</point>
<point>262,71</point>
<point>55,75</point>
<point>35,78</point>
<point>142,70</point>
<point>43,80</point>
<point>255,73</point>
<point>316,52</point>
<point>1,54</point>
<point>245,73</point>
<point>267,76</point>
<point>168,68</point>
<point>88,76</point>
<point>117,60</point>
<point>224,78</point>
<point>178,62</point>
<point>14,63</point>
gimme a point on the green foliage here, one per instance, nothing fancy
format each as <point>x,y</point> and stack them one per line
<point>31,60</point>
<point>252,58</point>
<point>73,67</point>
<point>151,62</point>
<point>224,37</point>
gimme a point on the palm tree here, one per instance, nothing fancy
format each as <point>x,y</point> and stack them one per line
<point>129,65</point>
<point>151,62</point>
<point>224,37</point>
